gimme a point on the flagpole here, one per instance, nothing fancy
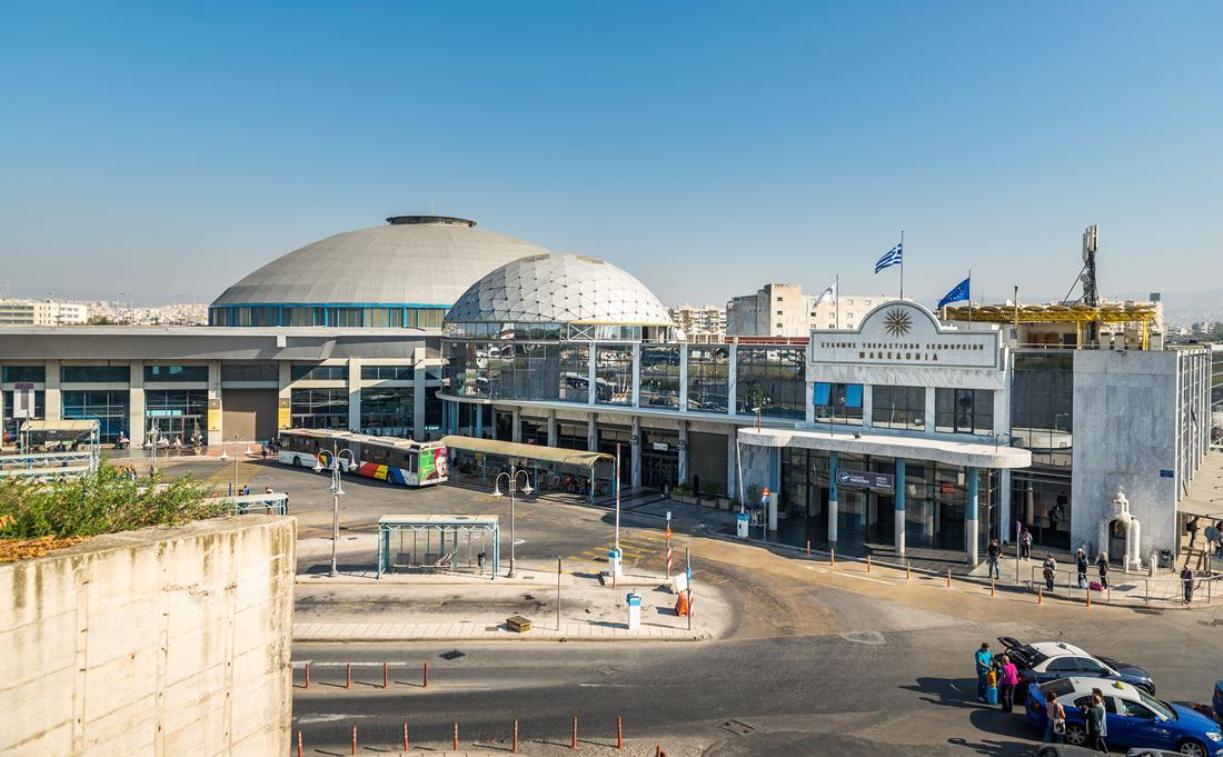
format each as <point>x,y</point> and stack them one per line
<point>836,299</point>
<point>970,299</point>
<point>902,264</point>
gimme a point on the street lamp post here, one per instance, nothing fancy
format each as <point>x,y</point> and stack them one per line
<point>337,491</point>
<point>512,485</point>
<point>154,436</point>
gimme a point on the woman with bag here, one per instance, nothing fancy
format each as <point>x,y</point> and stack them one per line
<point>1055,720</point>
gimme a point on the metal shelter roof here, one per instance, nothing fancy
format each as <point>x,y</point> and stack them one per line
<point>1205,496</point>
<point>971,454</point>
<point>51,425</point>
<point>438,521</point>
<point>531,451</point>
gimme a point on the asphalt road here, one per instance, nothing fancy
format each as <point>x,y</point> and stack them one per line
<point>893,677</point>
<point>898,682</point>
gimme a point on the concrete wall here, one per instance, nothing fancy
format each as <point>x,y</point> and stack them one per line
<point>160,641</point>
<point>1125,430</point>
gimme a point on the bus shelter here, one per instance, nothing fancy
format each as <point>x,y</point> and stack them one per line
<point>450,543</point>
<point>54,449</point>
<point>552,468</point>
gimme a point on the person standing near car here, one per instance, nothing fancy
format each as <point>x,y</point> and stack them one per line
<point>1007,683</point>
<point>1102,566</point>
<point>984,663</point>
<point>1050,571</point>
<point>1080,561</point>
<point>1055,719</point>
<point>1097,722</point>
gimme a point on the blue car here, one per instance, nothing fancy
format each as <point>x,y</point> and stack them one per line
<point>1135,718</point>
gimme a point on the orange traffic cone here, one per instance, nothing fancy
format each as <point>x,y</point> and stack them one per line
<point>681,604</point>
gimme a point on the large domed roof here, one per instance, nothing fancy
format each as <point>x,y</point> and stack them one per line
<point>559,289</point>
<point>413,260</point>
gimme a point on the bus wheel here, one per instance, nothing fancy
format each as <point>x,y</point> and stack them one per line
<point>297,461</point>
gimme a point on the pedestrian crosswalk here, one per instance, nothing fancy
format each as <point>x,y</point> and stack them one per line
<point>237,474</point>
<point>638,547</point>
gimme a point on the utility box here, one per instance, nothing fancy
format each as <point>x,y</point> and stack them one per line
<point>742,523</point>
<point>613,562</point>
<point>633,600</point>
<point>518,624</point>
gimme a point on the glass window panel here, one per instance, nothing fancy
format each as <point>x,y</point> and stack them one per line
<point>96,374</point>
<point>772,379</point>
<point>387,411</point>
<point>250,372</point>
<point>837,403</point>
<point>184,373</point>
<point>614,374</point>
<point>660,377</point>
<point>312,372</point>
<point>708,379</point>
<point>898,406</point>
<point>34,374</point>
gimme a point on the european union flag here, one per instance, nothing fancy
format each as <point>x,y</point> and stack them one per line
<point>894,256</point>
<point>957,294</point>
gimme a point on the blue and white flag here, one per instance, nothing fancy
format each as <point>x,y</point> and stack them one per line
<point>830,293</point>
<point>894,256</point>
<point>958,294</point>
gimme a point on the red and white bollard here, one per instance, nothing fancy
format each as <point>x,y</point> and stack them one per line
<point>573,744</point>
<point>619,732</point>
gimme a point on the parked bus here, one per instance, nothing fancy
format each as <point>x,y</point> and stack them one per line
<point>397,461</point>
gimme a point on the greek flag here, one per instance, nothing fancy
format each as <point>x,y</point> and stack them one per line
<point>894,256</point>
<point>959,293</point>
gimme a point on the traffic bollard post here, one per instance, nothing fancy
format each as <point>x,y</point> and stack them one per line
<point>993,590</point>
<point>832,556</point>
<point>386,675</point>
<point>908,570</point>
<point>514,743</point>
<point>868,563</point>
<point>354,739</point>
<point>949,578</point>
<point>1040,596</point>
<point>456,736</point>
<point>573,744</point>
<point>407,744</point>
<point>1089,598</point>
<point>424,677</point>
<point>348,676</point>
<point>299,744</point>
<point>808,549</point>
<point>307,675</point>
<point>619,732</point>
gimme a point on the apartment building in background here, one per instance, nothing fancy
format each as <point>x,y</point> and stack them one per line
<point>42,313</point>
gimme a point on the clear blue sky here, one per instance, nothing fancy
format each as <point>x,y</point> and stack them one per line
<point>170,147</point>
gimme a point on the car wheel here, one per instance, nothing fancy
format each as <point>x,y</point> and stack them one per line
<point>1193,748</point>
<point>1076,735</point>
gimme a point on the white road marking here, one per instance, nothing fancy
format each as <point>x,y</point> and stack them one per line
<point>327,718</point>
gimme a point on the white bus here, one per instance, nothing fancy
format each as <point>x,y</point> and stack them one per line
<point>396,461</point>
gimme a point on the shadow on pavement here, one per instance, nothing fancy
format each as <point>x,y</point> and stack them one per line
<point>949,692</point>
<point>992,747</point>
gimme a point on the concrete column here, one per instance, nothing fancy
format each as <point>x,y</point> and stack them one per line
<point>683,383</point>
<point>1006,518</point>
<point>284,396</point>
<point>636,396</point>
<point>420,377</point>
<point>868,405</point>
<point>552,430</point>
<point>732,462</point>
<point>516,425</point>
<point>832,497</point>
<point>53,399</point>
<point>970,516</point>
<point>929,428</point>
<point>592,433</point>
<point>682,473</point>
<point>215,411</point>
<point>732,379</point>
<point>479,411</point>
<point>899,528</point>
<point>354,394</point>
<point>136,424</point>
<point>635,453</point>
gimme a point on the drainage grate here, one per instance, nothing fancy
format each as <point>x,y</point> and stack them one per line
<point>737,727</point>
<point>453,654</point>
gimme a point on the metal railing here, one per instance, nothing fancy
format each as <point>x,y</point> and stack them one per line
<point>1146,590</point>
<point>267,503</point>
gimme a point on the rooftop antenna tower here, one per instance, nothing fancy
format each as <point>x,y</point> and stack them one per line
<point>1091,295</point>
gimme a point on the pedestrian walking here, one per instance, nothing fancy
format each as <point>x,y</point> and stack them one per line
<point>1080,561</point>
<point>1009,680</point>
<point>993,553</point>
<point>1097,722</point>
<point>1049,569</point>
<point>984,664</point>
<point>1187,580</point>
<point>1102,566</point>
<point>1025,544</point>
<point>1055,719</point>
<point>1192,528</point>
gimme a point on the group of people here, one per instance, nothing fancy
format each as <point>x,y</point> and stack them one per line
<point>128,472</point>
<point>1082,565</point>
<point>997,679</point>
<point>1213,533</point>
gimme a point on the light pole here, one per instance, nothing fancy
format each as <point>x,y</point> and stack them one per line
<point>337,491</point>
<point>512,485</point>
<point>154,436</point>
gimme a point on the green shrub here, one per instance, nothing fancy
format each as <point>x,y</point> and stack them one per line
<point>102,503</point>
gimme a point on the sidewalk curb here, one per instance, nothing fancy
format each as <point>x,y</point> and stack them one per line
<point>499,639</point>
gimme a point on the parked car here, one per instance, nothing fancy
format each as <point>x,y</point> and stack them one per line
<point>1134,717</point>
<point>1047,660</point>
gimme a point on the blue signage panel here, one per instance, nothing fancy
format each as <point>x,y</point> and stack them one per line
<point>881,482</point>
<point>1165,473</point>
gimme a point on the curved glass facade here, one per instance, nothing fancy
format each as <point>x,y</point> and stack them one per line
<point>323,314</point>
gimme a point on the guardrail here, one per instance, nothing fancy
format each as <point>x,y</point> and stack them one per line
<point>268,503</point>
<point>48,465</point>
<point>1153,589</point>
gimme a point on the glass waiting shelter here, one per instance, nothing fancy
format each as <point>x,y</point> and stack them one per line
<point>448,543</point>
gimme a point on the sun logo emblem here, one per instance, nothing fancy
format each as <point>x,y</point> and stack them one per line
<point>897,322</point>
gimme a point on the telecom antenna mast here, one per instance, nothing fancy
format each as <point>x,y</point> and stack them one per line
<point>1091,295</point>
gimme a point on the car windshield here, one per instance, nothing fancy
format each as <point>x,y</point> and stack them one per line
<point>1059,686</point>
<point>1164,710</point>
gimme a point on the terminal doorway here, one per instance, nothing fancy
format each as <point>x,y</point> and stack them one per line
<point>659,458</point>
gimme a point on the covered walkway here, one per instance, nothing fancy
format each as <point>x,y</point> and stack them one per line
<point>553,468</point>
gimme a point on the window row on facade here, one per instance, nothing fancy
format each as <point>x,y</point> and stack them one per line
<point>388,316</point>
<point>105,374</point>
